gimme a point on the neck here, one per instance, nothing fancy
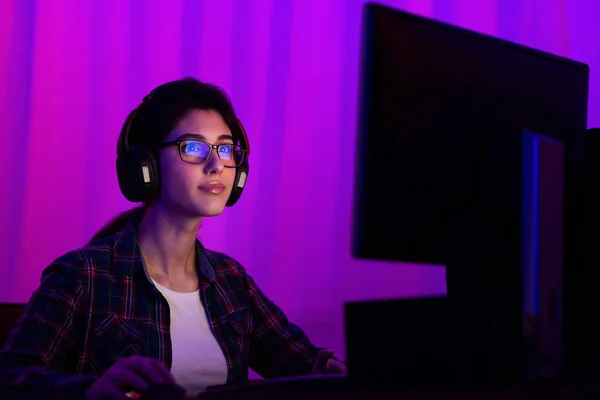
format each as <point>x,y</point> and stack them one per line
<point>168,241</point>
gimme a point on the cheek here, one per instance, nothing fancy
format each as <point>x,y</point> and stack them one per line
<point>229,176</point>
<point>177,175</point>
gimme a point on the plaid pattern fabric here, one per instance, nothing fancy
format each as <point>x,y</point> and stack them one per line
<point>97,304</point>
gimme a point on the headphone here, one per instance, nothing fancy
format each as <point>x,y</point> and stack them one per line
<point>138,171</point>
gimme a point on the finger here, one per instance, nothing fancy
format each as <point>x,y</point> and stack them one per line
<point>321,361</point>
<point>162,369</point>
<point>130,380</point>
<point>335,366</point>
<point>144,367</point>
<point>114,393</point>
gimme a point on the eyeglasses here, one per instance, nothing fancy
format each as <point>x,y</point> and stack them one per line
<point>198,152</point>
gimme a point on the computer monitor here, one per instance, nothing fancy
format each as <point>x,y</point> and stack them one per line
<point>468,153</point>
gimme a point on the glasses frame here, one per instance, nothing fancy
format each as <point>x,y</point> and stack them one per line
<point>212,147</point>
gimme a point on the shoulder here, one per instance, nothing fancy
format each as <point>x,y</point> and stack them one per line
<point>230,272</point>
<point>95,255</point>
<point>224,265</point>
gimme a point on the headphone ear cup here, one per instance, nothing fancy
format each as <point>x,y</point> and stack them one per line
<point>239,183</point>
<point>241,173</point>
<point>152,191</point>
<point>138,174</point>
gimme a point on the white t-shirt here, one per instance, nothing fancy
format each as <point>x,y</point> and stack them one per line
<point>198,361</point>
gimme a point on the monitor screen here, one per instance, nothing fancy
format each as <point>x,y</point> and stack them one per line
<point>438,107</point>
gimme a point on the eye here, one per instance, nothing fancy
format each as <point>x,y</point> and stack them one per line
<point>194,148</point>
<point>189,146</point>
<point>225,149</point>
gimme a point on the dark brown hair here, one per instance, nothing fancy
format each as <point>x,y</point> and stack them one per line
<point>155,118</point>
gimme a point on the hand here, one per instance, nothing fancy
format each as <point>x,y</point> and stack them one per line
<point>129,378</point>
<point>326,364</point>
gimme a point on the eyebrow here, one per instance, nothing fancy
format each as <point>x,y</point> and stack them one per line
<point>197,136</point>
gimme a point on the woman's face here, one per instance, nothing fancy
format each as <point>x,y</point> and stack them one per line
<point>196,190</point>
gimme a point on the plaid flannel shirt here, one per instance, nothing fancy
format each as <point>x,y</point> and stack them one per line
<point>96,304</point>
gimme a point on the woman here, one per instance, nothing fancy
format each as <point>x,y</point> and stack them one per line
<point>144,303</point>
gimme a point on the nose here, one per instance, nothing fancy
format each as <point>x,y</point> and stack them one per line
<point>214,165</point>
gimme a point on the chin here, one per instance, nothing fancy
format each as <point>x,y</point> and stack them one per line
<point>210,210</point>
<point>207,205</point>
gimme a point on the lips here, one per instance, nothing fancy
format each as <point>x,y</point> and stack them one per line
<point>212,187</point>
